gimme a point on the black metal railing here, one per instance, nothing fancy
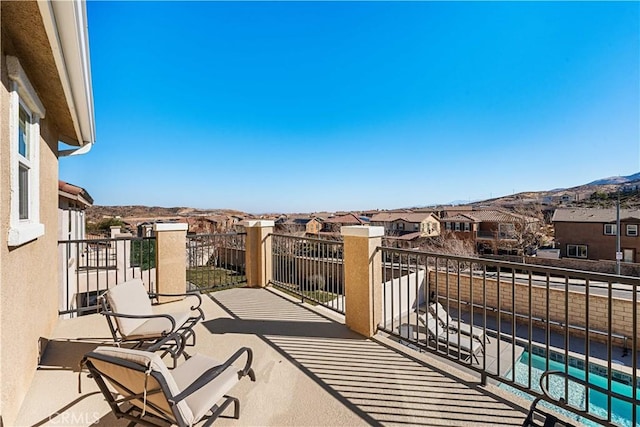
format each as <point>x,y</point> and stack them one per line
<point>215,261</point>
<point>310,268</point>
<point>511,322</point>
<point>89,267</point>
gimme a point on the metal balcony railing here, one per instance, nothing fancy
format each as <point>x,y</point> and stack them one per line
<point>309,268</point>
<point>91,266</point>
<point>526,320</point>
<point>216,261</point>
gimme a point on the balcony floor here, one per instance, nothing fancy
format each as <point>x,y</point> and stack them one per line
<point>311,370</point>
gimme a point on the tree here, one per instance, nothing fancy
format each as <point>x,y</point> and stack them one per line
<point>104,226</point>
<point>531,228</point>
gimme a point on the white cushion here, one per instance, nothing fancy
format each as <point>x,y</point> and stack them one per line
<point>129,297</point>
<point>201,401</point>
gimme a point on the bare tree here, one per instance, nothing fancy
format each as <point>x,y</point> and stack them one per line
<point>531,228</point>
<point>447,243</point>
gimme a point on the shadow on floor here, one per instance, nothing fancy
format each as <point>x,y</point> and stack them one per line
<point>377,382</point>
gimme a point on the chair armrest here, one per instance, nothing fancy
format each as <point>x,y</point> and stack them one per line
<point>146,316</point>
<point>155,295</point>
<point>212,373</point>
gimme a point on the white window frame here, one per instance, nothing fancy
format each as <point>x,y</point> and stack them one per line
<point>467,227</point>
<point>457,226</point>
<point>22,94</point>
<point>577,251</point>
<point>633,227</point>
<point>613,229</point>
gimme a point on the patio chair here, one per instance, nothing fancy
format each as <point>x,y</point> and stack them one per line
<point>127,308</point>
<point>451,338</point>
<point>541,417</point>
<point>147,393</point>
<point>457,324</point>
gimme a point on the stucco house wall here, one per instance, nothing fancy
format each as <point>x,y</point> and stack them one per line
<point>28,266</point>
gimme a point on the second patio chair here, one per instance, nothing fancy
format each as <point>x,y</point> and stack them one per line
<point>453,340</point>
<point>457,324</point>
<point>130,315</point>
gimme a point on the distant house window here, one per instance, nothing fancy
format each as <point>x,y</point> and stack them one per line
<point>610,229</point>
<point>25,112</point>
<point>467,226</point>
<point>447,225</point>
<point>457,226</point>
<point>400,226</point>
<point>416,227</point>
<point>632,230</point>
<point>577,251</point>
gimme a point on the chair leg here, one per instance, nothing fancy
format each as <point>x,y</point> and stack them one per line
<point>217,410</point>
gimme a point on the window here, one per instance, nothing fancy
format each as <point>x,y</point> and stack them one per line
<point>632,230</point>
<point>457,226</point>
<point>416,226</point>
<point>467,226</point>
<point>447,225</point>
<point>577,251</point>
<point>25,112</point>
<point>610,229</point>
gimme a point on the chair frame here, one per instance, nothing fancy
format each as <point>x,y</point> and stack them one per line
<point>550,420</point>
<point>454,323</point>
<point>172,342</point>
<point>134,414</point>
<point>436,338</point>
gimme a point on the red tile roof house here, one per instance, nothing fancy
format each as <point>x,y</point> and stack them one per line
<point>332,225</point>
<point>493,231</point>
<point>407,228</point>
<point>591,233</point>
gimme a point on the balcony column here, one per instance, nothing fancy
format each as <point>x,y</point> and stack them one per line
<point>171,265</point>
<point>362,278</point>
<point>258,253</point>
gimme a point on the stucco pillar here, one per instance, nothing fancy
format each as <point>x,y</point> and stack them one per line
<point>258,253</point>
<point>171,265</point>
<point>362,278</point>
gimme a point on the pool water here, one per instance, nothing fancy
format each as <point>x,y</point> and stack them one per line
<point>620,410</point>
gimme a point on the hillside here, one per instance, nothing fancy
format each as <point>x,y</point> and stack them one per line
<point>97,213</point>
<point>601,193</point>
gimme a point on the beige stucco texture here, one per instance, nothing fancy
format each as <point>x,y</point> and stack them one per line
<point>171,273</point>
<point>362,271</point>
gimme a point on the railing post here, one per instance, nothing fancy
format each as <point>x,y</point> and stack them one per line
<point>171,265</point>
<point>258,253</point>
<point>362,278</point>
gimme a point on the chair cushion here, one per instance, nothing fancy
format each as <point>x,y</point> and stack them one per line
<point>136,383</point>
<point>156,326</point>
<point>201,401</point>
<point>129,297</point>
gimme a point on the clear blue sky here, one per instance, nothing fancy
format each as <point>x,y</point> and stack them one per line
<point>301,107</point>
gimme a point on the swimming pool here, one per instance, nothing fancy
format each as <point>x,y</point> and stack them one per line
<point>620,411</point>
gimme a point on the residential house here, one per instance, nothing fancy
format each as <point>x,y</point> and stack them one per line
<point>493,231</point>
<point>45,98</point>
<point>299,225</point>
<point>408,226</point>
<point>333,224</point>
<point>591,233</point>
<point>72,202</point>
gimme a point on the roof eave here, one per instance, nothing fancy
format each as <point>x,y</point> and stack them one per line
<point>66,25</point>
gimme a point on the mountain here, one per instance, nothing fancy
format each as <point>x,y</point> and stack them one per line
<point>616,180</point>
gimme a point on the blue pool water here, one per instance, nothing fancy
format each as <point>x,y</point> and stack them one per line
<point>620,411</point>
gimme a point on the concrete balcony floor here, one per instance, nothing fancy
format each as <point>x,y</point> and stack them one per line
<point>311,371</point>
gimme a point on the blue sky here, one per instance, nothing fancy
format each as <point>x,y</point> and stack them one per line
<point>301,106</point>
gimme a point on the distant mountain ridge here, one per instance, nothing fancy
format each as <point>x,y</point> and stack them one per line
<point>616,180</point>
